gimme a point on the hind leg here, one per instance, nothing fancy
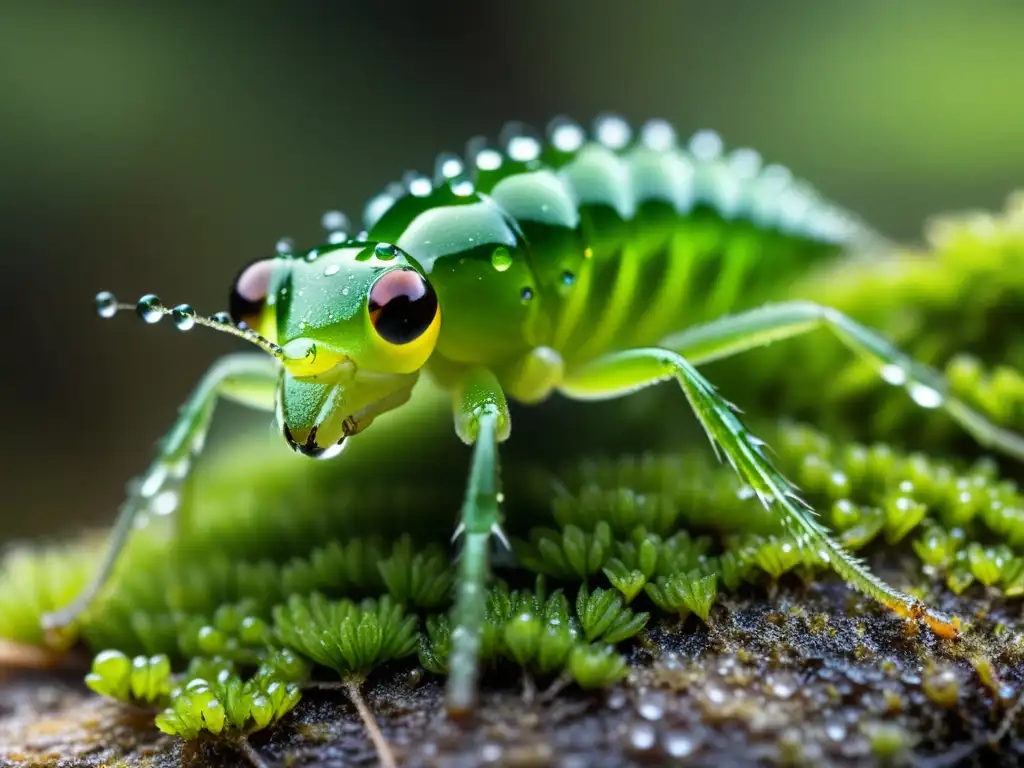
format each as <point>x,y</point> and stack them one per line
<point>735,334</point>
<point>622,373</point>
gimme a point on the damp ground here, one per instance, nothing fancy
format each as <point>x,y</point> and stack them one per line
<point>799,675</point>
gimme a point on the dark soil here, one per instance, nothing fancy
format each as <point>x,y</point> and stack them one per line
<point>810,675</point>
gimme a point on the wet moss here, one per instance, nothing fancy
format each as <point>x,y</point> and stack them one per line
<point>756,686</point>
<point>779,663</point>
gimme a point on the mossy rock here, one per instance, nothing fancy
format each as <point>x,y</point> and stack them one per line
<point>741,648</point>
<point>813,675</point>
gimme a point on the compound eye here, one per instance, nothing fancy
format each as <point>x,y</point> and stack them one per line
<point>249,292</point>
<point>402,306</point>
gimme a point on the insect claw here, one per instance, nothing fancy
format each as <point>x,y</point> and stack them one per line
<point>500,536</point>
<point>459,530</point>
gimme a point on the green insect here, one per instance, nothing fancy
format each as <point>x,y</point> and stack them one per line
<point>585,266</point>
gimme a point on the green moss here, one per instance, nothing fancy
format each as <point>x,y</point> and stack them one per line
<point>352,639</point>
<point>603,616</point>
<point>269,581</point>
<point>596,666</point>
<point>226,704</point>
<point>37,579</point>
<point>144,680</point>
<point>686,593</point>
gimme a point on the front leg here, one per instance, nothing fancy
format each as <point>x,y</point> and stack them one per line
<point>250,379</point>
<point>624,372</point>
<point>481,420</point>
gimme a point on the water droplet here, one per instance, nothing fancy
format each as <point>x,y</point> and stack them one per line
<point>782,685</point>
<point>149,308</point>
<point>488,159</point>
<point>836,731</point>
<point>651,705</point>
<point>715,693</point>
<point>340,236</point>
<point>312,254</point>
<point>154,481</point>
<point>333,269</point>
<point>344,291</point>
<point>222,317</point>
<point>501,259</point>
<point>568,278</point>
<point>384,251</point>
<point>463,187</point>
<point>679,744</point>
<point>565,135</point>
<point>334,220</point>
<point>706,145</point>
<point>523,149</point>
<point>490,753</point>
<point>745,163</point>
<point>419,186</point>
<point>448,166</point>
<point>164,503</point>
<point>642,736</point>
<point>285,246</point>
<point>612,131</point>
<point>658,135</point>
<point>526,294</point>
<point>184,317</point>
<point>106,304</point>
<point>924,396</point>
<point>617,699</point>
<point>894,374</point>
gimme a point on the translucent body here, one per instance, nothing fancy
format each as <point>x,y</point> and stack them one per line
<point>589,267</point>
<point>598,249</point>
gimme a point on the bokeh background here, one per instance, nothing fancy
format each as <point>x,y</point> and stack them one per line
<point>160,146</point>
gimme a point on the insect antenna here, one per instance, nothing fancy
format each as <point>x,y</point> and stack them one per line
<point>151,310</point>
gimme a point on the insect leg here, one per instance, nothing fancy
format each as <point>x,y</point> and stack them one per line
<point>481,420</point>
<point>624,372</point>
<point>758,327</point>
<point>250,379</point>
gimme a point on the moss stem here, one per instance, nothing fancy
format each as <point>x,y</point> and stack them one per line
<point>555,688</point>
<point>387,757</point>
<point>250,753</point>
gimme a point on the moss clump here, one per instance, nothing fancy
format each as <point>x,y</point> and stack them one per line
<point>958,518</point>
<point>143,680</point>
<point>352,639</point>
<point>686,593</point>
<point>227,704</point>
<point>639,540</point>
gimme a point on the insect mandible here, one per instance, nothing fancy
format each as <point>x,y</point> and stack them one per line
<point>561,265</point>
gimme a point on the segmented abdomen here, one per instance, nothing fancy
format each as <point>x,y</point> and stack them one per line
<point>588,244</point>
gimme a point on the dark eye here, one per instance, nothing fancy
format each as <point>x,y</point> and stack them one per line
<point>249,292</point>
<point>402,306</point>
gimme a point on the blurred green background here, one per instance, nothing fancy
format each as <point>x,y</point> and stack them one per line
<point>160,146</point>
